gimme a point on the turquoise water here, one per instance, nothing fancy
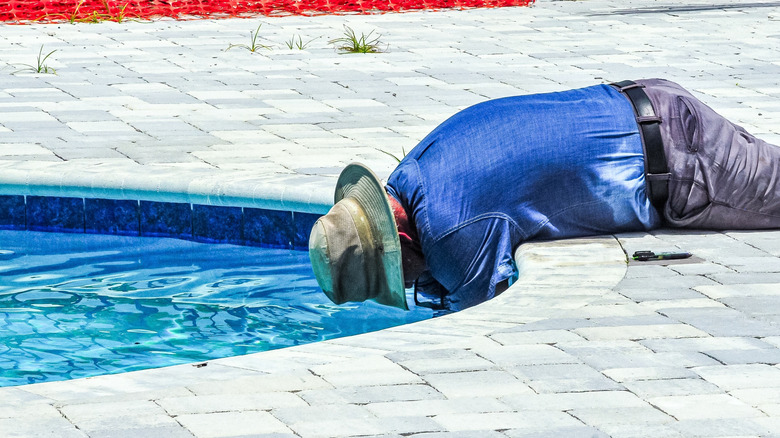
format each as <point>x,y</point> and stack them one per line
<point>79,305</point>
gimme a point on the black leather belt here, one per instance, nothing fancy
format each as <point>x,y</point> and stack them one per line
<point>656,171</point>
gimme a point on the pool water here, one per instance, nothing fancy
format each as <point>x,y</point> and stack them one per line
<point>79,305</point>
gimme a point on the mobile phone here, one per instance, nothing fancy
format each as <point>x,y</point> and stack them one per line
<point>644,256</point>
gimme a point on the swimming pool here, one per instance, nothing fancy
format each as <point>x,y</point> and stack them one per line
<point>79,305</point>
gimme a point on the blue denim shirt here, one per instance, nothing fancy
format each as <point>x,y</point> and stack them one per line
<point>505,171</point>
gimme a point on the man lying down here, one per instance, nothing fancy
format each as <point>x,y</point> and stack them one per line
<point>631,156</point>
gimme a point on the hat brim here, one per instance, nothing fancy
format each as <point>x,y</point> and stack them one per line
<point>360,183</point>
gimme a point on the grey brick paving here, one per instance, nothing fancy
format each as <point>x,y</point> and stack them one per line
<point>584,345</point>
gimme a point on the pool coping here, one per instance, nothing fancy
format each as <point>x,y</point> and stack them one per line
<point>194,204</point>
<point>206,186</point>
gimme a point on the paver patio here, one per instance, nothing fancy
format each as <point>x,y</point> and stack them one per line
<point>585,345</point>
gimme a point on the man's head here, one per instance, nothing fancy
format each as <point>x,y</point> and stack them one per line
<point>354,249</point>
<point>413,261</point>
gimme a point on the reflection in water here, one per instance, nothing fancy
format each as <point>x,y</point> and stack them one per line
<point>74,305</point>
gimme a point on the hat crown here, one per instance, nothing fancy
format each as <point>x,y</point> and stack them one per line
<point>354,249</point>
<point>343,243</point>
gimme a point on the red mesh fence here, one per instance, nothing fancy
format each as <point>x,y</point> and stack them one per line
<point>24,11</point>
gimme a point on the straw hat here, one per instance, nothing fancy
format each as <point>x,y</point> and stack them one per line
<point>354,249</point>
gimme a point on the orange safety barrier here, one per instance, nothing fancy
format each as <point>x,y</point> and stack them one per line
<point>27,11</point>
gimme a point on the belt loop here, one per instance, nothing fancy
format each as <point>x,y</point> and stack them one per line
<point>648,119</point>
<point>627,85</point>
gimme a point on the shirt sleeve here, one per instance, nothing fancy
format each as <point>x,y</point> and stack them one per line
<point>471,260</point>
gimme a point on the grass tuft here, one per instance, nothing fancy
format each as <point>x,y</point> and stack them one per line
<point>403,154</point>
<point>298,43</point>
<point>351,43</point>
<point>41,66</point>
<point>253,46</point>
<point>97,17</point>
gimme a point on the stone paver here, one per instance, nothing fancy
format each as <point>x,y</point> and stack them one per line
<point>584,345</point>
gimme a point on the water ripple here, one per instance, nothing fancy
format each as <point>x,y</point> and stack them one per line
<point>82,305</point>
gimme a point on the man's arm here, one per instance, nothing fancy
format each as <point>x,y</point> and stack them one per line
<point>474,261</point>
